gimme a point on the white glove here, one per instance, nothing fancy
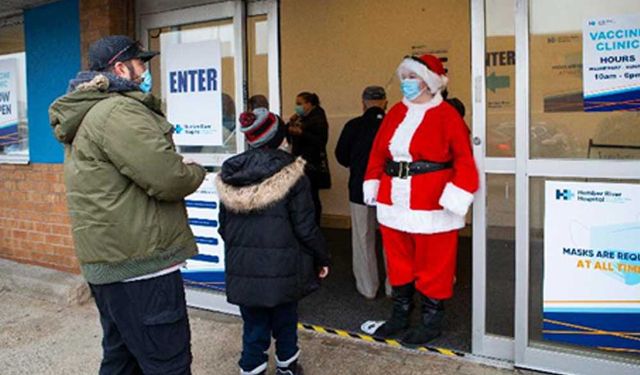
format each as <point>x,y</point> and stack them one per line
<point>370,191</point>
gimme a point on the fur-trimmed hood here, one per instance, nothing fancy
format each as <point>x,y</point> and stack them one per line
<point>257,179</point>
<point>85,91</point>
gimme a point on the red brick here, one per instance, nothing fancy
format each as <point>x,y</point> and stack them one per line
<point>35,237</point>
<point>54,240</point>
<point>63,230</point>
<point>19,234</point>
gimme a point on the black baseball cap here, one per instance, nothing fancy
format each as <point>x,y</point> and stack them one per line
<point>374,93</point>
<point>105,52</point>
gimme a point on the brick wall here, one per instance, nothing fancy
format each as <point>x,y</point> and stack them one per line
<point>99,18</point>
<point>34,221</point>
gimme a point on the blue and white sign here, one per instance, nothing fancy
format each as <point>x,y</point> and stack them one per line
<point>611,63</point>
<point>592,264</point>
<point>192,85</point>
<point>8,102</point>
<point>205,270</point>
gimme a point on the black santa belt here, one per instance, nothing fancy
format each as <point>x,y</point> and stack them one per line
<point>405,169</point>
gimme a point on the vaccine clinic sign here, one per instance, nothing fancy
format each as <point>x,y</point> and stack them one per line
<point>611,63</point>
<point>192,88</point>
<point>8,101</point>
<point>592,264</point>
<point>205,270</point>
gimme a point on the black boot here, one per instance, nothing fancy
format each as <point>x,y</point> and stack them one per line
<point>293,369</point>
<point>402,297</point>
<point>430,327</point>
<point>290,366</point>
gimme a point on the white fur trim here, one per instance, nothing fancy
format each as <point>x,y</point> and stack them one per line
<point>264,194</point>
<point>455,199</point>
<point>256,370</point>
<point>289,361</point>
<point>434,81</point>
<point>400,144</point>
<point>401,191</point>
<point>418,221</point>
<point>370,191</point>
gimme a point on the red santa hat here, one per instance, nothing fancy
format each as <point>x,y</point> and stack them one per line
<point>429,68</point>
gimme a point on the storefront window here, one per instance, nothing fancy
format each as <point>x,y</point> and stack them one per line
<point>578,112</point>
<point>14,145</point>
<point>221,31</point>
<point>258,46</point>
<point>501,254</point>
<point>580,298</point>
<point>500,63</point>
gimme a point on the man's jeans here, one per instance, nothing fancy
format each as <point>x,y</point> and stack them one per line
<point>260,324</point>
<point>146,327</point>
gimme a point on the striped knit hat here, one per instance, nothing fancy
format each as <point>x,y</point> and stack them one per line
<point>261,128</point>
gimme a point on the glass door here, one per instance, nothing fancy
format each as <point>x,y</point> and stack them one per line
<point>493,66</point>
<point>235,44</point>
<point>577,186</point>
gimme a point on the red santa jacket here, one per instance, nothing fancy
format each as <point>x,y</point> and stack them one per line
<point>431,202</point>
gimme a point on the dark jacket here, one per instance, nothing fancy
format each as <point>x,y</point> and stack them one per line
<point>125,181</point>
<point>273,247</point>
<point>354,147</point>
<point>311,145</point>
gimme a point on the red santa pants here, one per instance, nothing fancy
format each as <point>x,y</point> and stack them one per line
<point>427,259</point>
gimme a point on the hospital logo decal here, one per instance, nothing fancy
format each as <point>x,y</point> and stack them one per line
<point>564,194</point>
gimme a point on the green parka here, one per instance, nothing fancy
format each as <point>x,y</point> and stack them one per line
<point>125,182</point>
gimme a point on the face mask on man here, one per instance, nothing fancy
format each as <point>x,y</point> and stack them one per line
<point>147,81</point>
<point>299,110</point>
<point>411,88</point>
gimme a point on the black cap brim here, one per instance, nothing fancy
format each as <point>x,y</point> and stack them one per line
<point>147,55</point>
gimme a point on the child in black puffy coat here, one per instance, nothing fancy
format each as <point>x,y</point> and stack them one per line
<point>274,251</point>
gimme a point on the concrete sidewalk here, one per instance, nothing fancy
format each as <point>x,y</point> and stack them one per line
<point>40,337</point>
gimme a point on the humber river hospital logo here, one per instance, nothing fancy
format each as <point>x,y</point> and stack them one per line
<point>564,194</point>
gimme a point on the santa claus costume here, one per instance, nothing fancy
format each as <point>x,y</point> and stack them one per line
<point>421,176</point>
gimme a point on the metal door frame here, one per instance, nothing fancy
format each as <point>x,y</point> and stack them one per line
<point>239,11</point>
<point>554,360</point>
<point>482,343</point>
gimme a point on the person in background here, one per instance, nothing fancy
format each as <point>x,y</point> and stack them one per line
<point>308,133</point>
<point>454,102</point>
<point>352,151</point>
<point>257,101</point>
<point>421,177</point>
<point>126,186</point>
<point>274,251</point>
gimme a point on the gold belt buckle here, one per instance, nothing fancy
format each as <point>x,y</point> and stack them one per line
<point>403,170</point>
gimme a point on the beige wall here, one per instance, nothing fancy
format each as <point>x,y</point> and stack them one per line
<point>11,39</point>
<point>335,48</point>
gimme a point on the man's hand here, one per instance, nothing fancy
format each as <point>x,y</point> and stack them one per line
<point>189,161</point>
<point>324,272</point>
<point>295,130</point>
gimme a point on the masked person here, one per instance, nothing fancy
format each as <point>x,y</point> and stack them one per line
<point>421,176</point>
<point>308,134</point>
<point>274,250</point>
<point>126,186</point>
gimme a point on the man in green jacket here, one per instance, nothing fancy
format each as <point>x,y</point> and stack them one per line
<point>126,186</point>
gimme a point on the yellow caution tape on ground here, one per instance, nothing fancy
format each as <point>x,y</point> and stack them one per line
<point>367,338</point>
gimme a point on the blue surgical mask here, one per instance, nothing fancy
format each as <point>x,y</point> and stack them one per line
<point>299,110</point>
<point>147,81</point>
<point>410,88</point>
